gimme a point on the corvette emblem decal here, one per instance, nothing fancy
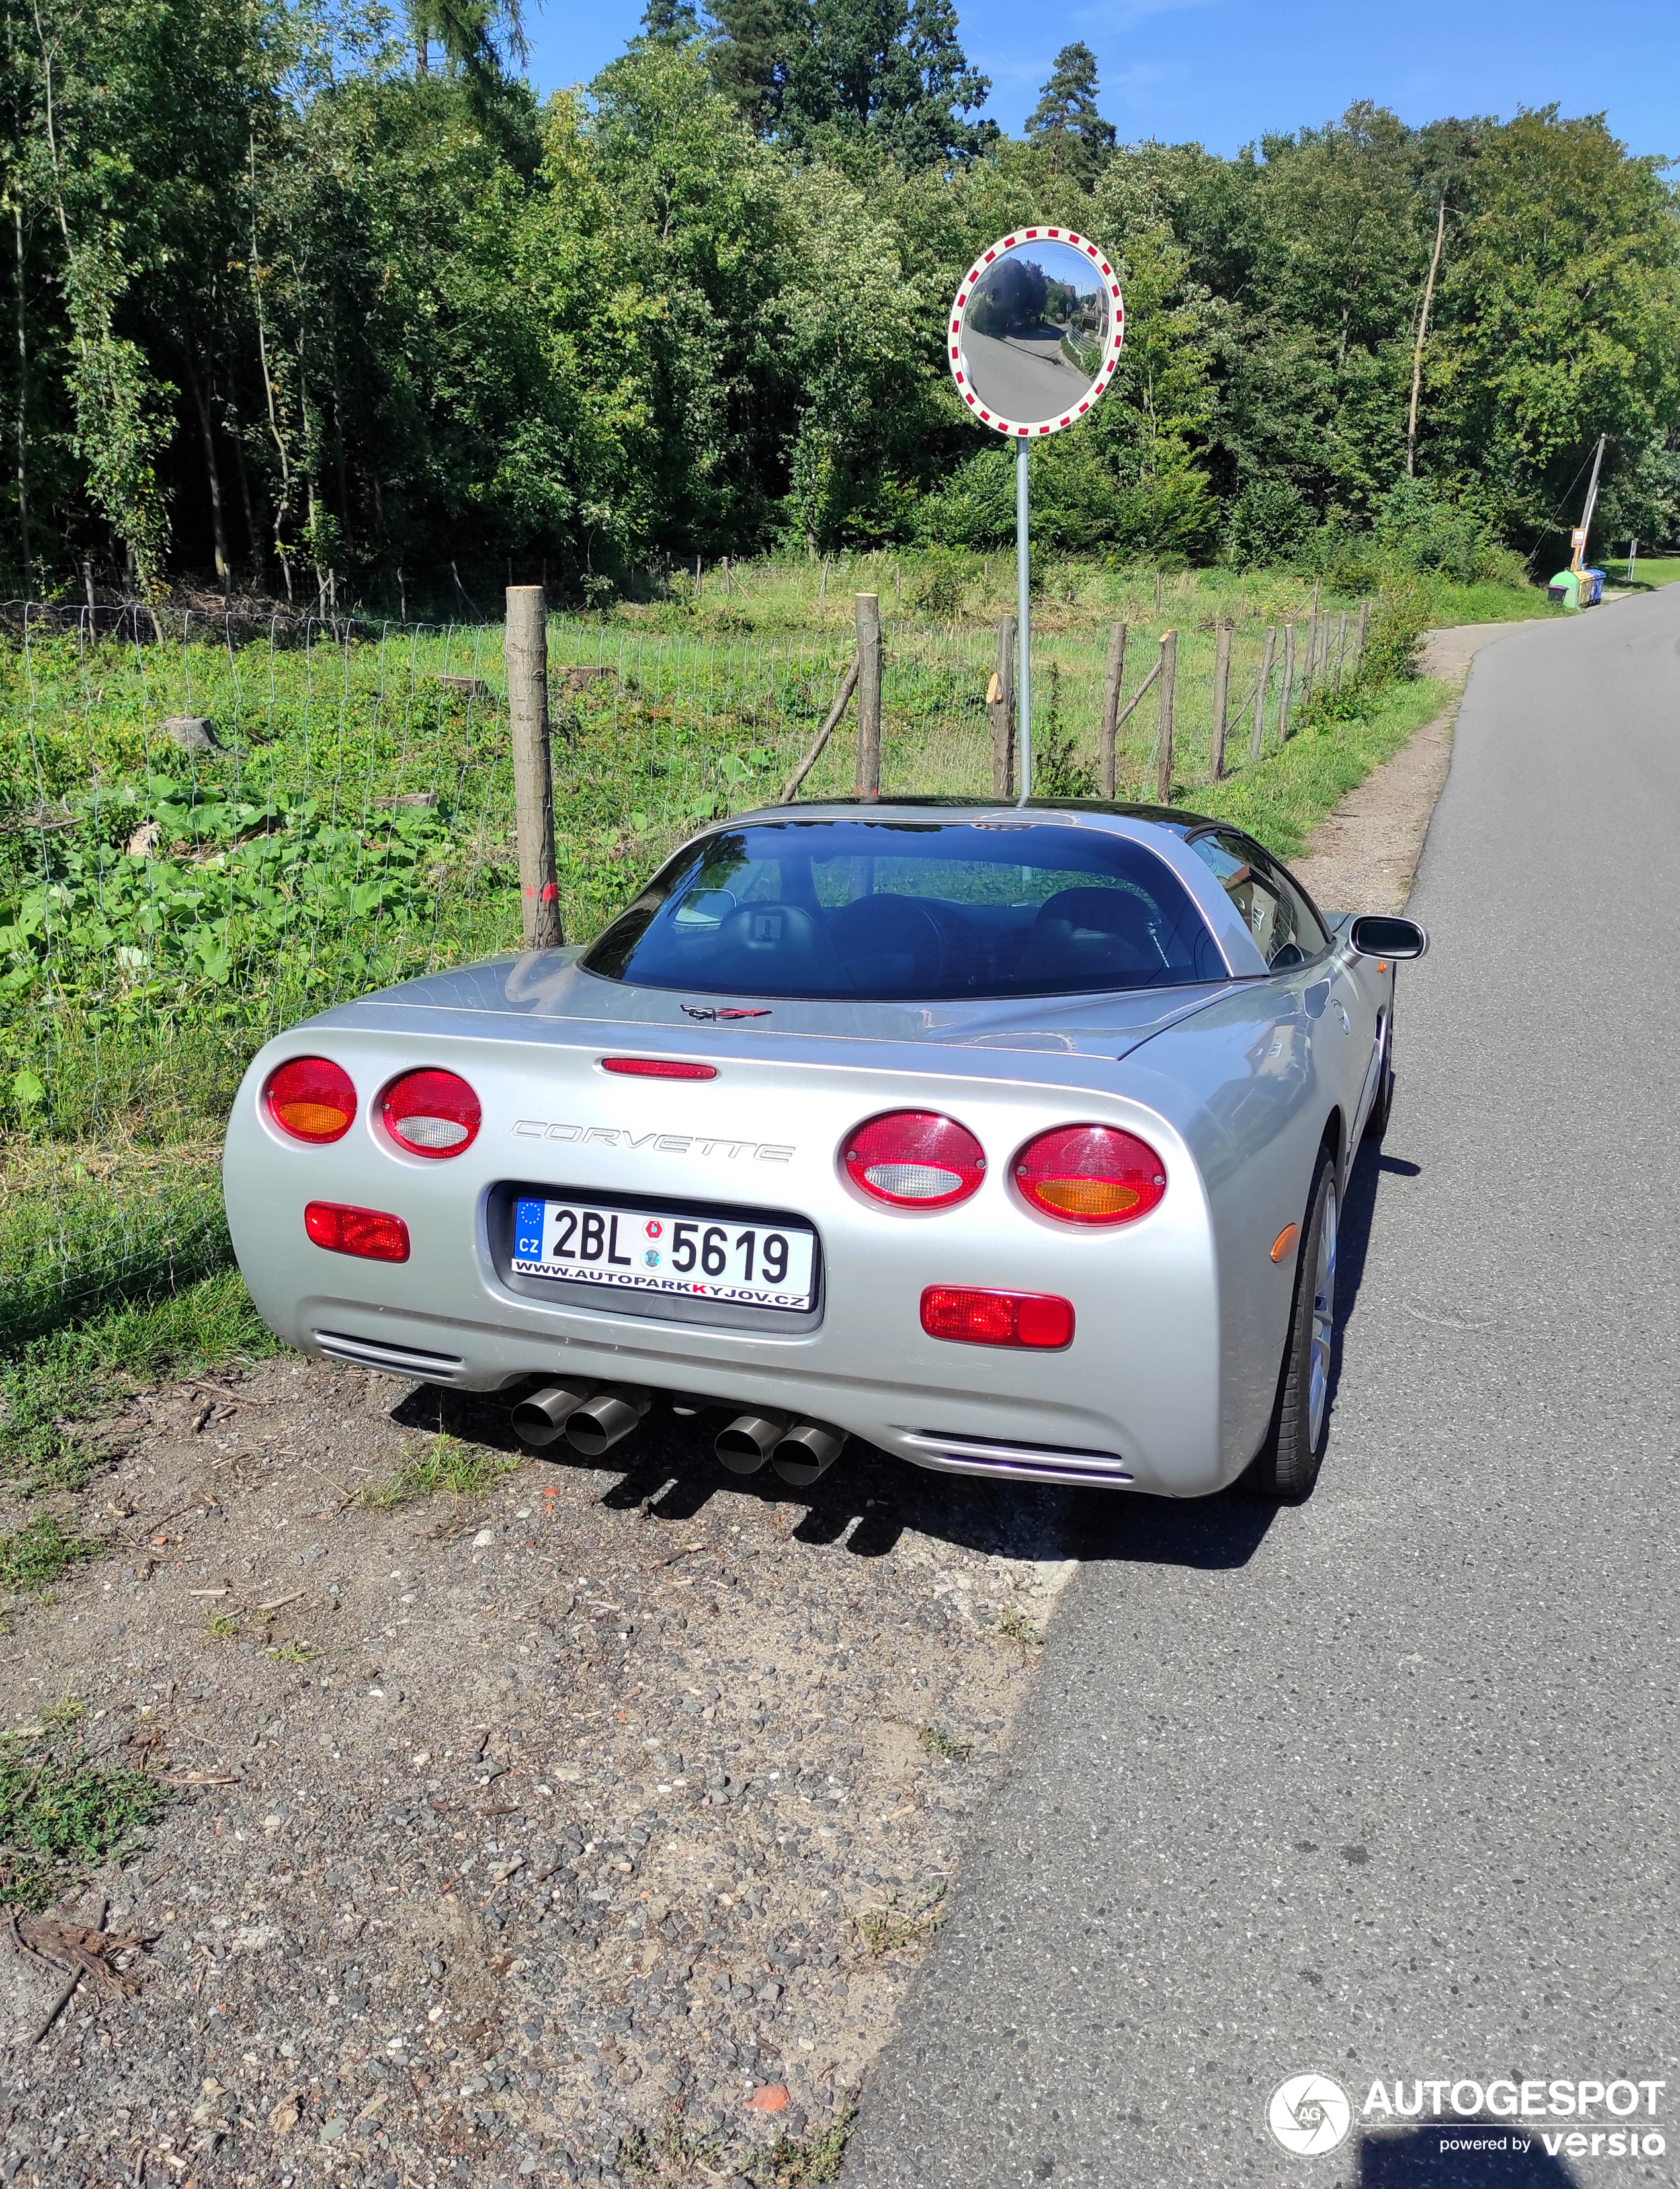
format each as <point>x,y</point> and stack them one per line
<point>711,1014</point>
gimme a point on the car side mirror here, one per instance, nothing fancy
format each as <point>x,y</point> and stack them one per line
<point>1383,934</point>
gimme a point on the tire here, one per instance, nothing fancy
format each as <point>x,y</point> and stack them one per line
<point>1377,1121</point>
<point>1287,1464</point>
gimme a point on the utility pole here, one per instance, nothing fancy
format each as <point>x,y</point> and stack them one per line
<point>1592,502</point>
<point>1423,336</point>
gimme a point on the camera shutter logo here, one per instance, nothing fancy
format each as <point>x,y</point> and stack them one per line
<point>1309,2114</point>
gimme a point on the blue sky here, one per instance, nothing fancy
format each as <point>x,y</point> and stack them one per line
<point>1223,71</point>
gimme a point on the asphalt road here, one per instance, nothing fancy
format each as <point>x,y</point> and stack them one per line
<point>1387,1786</point>
<point>1026,380</point>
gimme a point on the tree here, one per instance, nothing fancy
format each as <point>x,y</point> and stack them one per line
<point>670,22</point>
<point>1066,118</point>
<point>889,74</point>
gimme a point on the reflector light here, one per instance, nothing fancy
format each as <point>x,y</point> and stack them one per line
<point>312,1100</point>
<point>915,1159</point>
<point>430,1113</point>
<point>1040,1320</point>
<point>1090,1174</point>
<point>657,1067</point>
<point>368,1233</point>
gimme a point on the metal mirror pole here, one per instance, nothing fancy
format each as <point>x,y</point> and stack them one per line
<point>1023,682</point>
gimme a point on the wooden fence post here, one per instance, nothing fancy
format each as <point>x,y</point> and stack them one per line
<point>1221,699</point>
<point>1163,734</point>
<point>525,649</point>
<point>1257,740</point>
<point>867,612</point>
<point>1288,683</point>
<point>1341,646</point>
<point>1113,677</point>
<point>1358,635</point>
<point>1000,706</point>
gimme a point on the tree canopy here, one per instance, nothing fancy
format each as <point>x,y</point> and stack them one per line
<point>309,297</point>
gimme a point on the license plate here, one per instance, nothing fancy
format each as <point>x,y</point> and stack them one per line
<point>637,1250</point>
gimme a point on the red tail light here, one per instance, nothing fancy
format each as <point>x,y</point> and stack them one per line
<point>432,1113</point>
<point>1090,1174</point>
<point>312,1100</point>
<point>1039,1319</point>
<point>657,1067</point>
<point>367,1232</point>
<point>915,1159</point>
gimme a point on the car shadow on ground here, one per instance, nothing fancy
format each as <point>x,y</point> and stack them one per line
<point>868,1500</point>
<point>1467,2154</point>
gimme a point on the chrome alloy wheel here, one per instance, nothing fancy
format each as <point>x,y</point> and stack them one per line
<point>1324,1320</point>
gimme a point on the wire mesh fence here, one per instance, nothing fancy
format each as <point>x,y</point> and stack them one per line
<point>210,826</point>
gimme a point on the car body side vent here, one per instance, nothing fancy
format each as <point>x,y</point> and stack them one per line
<point>407,1361</point>
<point>1025,1462</point>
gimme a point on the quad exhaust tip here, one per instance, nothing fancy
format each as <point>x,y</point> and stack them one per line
<point>591,1420</point>
<point>540,1419</point>
<point>748,1441</point>
<point>606,1419</point>
<point>808,1449</point>
<point>799,1451</point>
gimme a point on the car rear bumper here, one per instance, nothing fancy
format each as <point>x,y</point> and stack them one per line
<point>1134,1402</point>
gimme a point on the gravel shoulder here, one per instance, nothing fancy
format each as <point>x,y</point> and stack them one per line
<point>1363,856</point>
<point>585,1830</point>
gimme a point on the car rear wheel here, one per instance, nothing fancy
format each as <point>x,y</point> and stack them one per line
<point>1288,1465</point>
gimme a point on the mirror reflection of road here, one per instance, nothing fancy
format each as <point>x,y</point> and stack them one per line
<point>1023,376</point>
<point>1387,1787</point>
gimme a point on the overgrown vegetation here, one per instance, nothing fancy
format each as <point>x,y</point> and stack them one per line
<point>62,1814</point>
<point>293,305</point>
<point>54,1388</point>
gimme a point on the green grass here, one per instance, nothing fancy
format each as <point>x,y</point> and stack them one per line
<point>942,1746</point>
<point>62,1814</point>
<point>443,1466</point>
<point>1283,800</point>
<point>1648,570</point>
<point>808,2162</point>
<point>52,1388</point>
<point>40,1552</point>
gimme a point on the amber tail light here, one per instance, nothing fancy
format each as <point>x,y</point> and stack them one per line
<point>1090,1174</point>
<point>311,1099</point>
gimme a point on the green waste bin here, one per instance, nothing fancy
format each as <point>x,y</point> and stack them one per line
<point>1565,588</point>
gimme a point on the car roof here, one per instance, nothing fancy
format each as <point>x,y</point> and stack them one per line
<point>851,808</point>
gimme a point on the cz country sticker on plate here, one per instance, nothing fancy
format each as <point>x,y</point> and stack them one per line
<point>637,1250</point>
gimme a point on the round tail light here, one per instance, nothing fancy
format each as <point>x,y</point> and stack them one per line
<point>915,1159</point>
<point>430,1113</point>
<point>311,1100</point>
<point>1090,1174</point>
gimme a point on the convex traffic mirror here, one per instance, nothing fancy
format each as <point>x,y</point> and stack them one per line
<point>1035,330</point>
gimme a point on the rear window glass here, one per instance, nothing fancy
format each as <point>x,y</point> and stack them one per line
<point>848,909</point>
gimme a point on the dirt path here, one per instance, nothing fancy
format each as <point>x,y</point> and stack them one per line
<point>1363,856</point>
<point>582,1830</point>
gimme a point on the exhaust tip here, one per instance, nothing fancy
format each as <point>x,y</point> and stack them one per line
<point>748,1441</point>
<point>809,1449</point>
<point>540,1418</point>
<point>606,1419</point>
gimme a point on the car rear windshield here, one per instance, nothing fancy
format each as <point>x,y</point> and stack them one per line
<point>836,910</point>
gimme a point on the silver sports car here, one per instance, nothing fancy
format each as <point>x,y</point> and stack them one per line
<point>1012,1140</point>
